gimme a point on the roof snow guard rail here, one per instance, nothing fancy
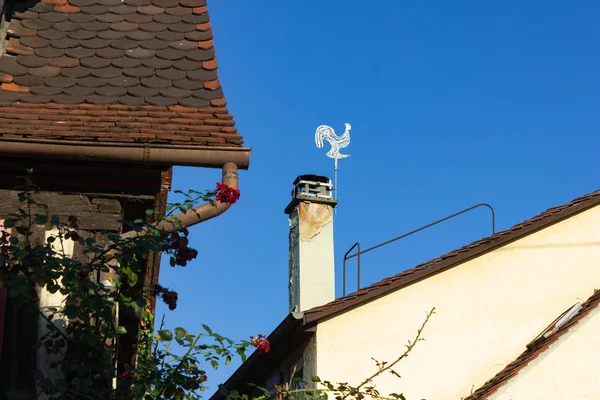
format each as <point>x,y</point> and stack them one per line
<point>358,253</point>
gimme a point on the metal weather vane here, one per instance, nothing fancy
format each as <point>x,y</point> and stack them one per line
<point>326,133</point>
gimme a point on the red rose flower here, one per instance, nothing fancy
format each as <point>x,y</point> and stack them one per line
<point>226,194</point>
<point>261,343</point>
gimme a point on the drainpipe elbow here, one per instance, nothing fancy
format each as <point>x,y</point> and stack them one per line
<point>205,211</point>
<point>201,213</point>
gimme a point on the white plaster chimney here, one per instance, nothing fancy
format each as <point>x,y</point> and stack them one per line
<point>311,257</point>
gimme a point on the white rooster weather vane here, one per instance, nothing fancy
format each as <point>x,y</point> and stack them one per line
<point>327,133</point>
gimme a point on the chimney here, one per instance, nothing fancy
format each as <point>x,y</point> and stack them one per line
<point>311,258</point>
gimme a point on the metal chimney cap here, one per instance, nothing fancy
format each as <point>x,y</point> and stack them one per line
<point>311,188</point>
<point>312,178</point>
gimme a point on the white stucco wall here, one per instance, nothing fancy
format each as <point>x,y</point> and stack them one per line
<point>567,370</point>
<point>487,310</point>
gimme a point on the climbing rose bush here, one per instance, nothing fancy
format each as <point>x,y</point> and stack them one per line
<point>87,344</point>
<point>178,247</point>
<point>170,364</point>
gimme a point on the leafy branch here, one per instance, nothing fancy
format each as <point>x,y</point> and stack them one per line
<point>383,366</point>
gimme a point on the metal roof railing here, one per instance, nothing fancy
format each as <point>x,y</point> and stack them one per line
<point>348,256</point>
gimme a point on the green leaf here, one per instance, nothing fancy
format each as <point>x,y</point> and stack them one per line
<point>41,219</point>
<point>214,364</point>
<point>22,230</point>
<point>121,330</point>
<point>9,223</point>
<point>316,379</point>
<point>132,278</point>
<point>180,333</point>
<point>92,340</point>
<point>137,305</point>
<point>54,220</point>
<point>15,291</point>
<point>207,329</point>
<point>227,360</point>
<point>165,335</point>
<point>149,212</point>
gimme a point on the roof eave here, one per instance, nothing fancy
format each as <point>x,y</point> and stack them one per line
<point>288,335</point>
<point>142,153</point>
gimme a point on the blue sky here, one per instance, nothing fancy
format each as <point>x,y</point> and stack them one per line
<point>451,104</point>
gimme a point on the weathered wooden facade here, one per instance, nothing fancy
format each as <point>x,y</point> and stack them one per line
<point>124,91</point>
<point>98,210</point>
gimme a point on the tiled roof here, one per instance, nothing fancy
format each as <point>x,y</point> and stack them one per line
<point>534,350</point>
<point>113,70</point>
<point>453,258</point>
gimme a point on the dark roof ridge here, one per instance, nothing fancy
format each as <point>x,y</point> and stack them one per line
<point>534,351</point>
<point>453,258</point>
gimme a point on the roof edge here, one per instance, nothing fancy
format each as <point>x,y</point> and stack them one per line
<point>451,260</point>
<point>142,153</point>
<point>280,341</point>
<point>543,344</point>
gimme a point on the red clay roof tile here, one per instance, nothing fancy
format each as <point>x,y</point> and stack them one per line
<point>84,57</point>
<point>6,78</point>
